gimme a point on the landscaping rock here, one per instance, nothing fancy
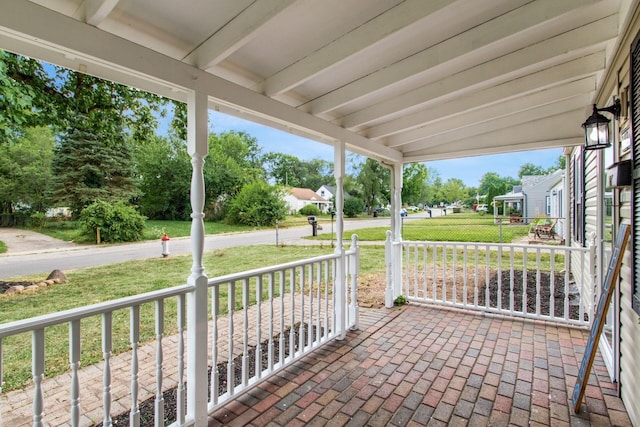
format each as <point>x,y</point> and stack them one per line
<point>14,290</point>
<point>58,274</point>
<point>31,288</point>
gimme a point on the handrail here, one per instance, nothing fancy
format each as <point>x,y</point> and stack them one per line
<point>46,320</point>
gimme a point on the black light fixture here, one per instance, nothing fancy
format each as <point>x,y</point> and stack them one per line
<point>596,127</point>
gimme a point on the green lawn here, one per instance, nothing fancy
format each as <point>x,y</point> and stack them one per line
<point>464,227</point>
<point>3,247</point>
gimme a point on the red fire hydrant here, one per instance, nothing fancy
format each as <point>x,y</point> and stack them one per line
<point>165,245</point>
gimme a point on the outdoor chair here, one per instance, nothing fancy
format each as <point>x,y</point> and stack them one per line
<point>544,229</point>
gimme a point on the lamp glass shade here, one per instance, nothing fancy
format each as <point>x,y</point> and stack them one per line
<point>596,131</point>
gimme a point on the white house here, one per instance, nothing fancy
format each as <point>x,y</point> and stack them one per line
<point>297,198</point>
<point>327,192</point>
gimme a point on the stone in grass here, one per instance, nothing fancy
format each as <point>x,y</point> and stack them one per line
<point>58,274</point>
<point>31,288</point>
<point>14,290</point>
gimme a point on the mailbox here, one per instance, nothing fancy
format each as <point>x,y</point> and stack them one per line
<point>619,174</point>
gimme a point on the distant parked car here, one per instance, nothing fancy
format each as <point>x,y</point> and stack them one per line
<point>482,208</point>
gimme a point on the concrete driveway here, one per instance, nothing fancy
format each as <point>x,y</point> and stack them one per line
<point>25,241</point>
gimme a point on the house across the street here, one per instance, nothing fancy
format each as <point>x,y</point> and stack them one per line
<point>297,198</point>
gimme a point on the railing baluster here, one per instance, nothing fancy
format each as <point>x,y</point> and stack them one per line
<point>320,281</point>
<point>245,332</point>
<point>487,295</point>
<point>499,278</point>
<point>327,282</point>
<point>281,340</point>
<point>407,288</point>
<point>230,359</point>
<point>37,369</point>
<point>215,341</point>
<point>416,279</point>
<point>552,283</point>
<point>159,401</point>
<point>106,353</point>
<point>538,281</point>
<point>292,286</point>
<point>434,288</point>
<point>444,272</point>
<point>567,267</point>
<point>425,254</point>
<point>464,275</point>
<point>181,391</point>
<point>74,362</point>
<point>301,328</point>
<point>511,281</point>
<point>454,287</point>
<point>310,324</point>
<point>258,372</point>
<point>134,338</point>
<point>475,275</point>
<point>525,263</point>
<point>271,322</point>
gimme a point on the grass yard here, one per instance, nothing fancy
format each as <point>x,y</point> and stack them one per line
<point>464,227</point>
<point>3,247</point>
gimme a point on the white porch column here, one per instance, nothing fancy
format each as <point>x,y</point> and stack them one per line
<point>197,146</point>
<point>341,288</point>
<point>396,228</point>
<point>568,222</point>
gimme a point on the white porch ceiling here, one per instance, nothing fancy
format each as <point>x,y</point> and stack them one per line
<point>398,80</point>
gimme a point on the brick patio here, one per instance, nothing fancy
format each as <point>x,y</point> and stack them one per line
<point>423,365</point>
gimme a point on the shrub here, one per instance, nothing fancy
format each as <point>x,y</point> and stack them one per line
<point>309,210</point>
<point>38,219</point>
<point>353,206</point>
<point>257,204</point>
<point>117,222</point>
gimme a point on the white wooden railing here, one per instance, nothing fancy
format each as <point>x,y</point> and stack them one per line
<point>259,322</point>
<point>519,280</point>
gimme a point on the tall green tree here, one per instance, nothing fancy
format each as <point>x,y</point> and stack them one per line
<point>234,160</point>
<point>163,178</point>
<point>25,170</point>
<point>287,170</point>
<point>90,165</point>
<point>417,186</point>
<point>26,96</point>
<point>530,169</point>
<point>93,117</point>
<point>375,181</point>
<point>454,190</point>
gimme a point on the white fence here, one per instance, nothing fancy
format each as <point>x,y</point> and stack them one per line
<point>259,322</point>
<point>531,281</point>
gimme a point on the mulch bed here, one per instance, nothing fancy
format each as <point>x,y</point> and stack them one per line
<point>147,407</point>
<point>532,283</point>
<point>6,285</point>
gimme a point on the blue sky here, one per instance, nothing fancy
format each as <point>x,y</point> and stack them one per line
<point>470,169</point>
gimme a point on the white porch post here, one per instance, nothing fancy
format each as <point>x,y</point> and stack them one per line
<point>197,300</point>
<point>341,288</point>
<point>396,225</point>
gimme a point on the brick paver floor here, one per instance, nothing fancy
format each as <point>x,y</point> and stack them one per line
<point>421,365</point>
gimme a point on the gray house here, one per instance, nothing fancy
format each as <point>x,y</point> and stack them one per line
<point>531,198</point>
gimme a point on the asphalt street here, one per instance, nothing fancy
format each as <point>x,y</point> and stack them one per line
<point>65,257</point>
